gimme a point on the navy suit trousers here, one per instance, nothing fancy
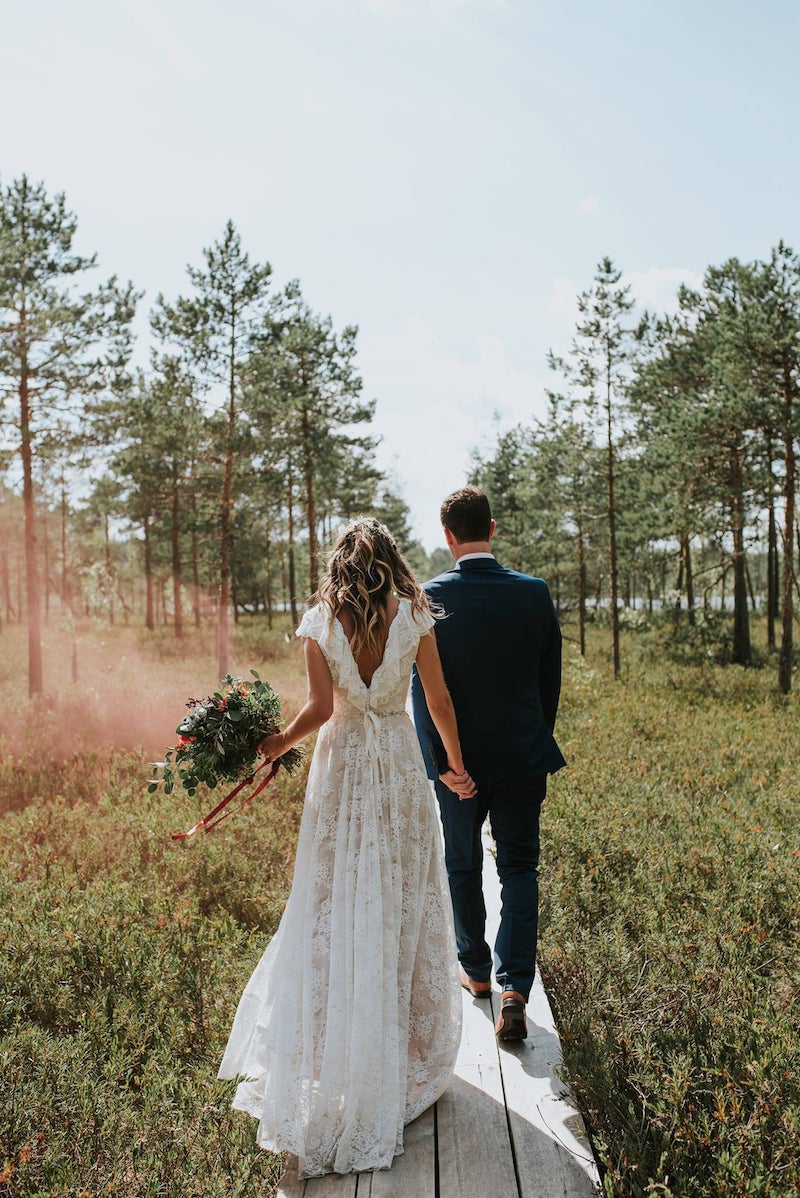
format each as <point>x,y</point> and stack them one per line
<point>513,809</point>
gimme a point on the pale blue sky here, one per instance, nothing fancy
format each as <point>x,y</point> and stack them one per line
<point>443,173</point>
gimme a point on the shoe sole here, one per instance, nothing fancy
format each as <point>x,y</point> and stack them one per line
<point>512,1026</point>
<point>477,993</point>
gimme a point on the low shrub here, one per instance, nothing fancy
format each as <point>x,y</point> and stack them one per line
<point>671,926</point>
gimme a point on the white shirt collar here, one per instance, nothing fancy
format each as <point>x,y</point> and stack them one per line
<point>469,557</point>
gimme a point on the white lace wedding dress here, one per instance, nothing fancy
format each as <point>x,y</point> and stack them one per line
<point>349,1027</point>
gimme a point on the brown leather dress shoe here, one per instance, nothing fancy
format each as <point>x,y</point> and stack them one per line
<point>476,989</point>
<point>512,1024</point>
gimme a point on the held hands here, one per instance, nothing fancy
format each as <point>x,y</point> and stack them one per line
<point>272,747</point>
<point>460,784</point>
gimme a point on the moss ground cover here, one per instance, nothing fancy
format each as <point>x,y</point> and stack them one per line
<point>671,923</point>
<point>670,926</point>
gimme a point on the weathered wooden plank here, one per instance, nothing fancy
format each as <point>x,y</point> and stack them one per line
<point>333,1185</point>
<point>474,1149</point>
<point>473,1142</point>
<point>477,1032</point>
<point>290,1185</point>
<point>549,1139</point>
<point>475,1129</point>
<point>413,1174</point>
<point>552,1152</point>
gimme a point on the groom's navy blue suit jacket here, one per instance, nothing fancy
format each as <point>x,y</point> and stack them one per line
<point>500,645</point>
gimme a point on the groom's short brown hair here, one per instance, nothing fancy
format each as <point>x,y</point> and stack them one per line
<point>466,513</point>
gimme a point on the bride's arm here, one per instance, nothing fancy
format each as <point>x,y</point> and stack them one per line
<point>442,712</point>
<point>313,714</point>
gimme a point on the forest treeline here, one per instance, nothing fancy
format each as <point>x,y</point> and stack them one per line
<point>660,480</point>
<point>189,491</point>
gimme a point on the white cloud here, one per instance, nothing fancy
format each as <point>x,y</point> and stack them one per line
<point>412,8</point>
<point>308,100</point>
<point>562,302</point>
<point>588,206</point>
<point>657,288</point>
<point>487,5</point>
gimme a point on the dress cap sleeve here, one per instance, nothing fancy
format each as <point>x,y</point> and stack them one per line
<point>423,620</point>
<point>313,622</point>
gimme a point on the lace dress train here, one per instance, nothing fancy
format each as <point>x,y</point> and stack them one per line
<point>349,1026</point>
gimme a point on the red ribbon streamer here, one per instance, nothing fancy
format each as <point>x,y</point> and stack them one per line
<point>211,821</point>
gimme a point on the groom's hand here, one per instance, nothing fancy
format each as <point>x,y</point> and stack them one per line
<point>460,784</point>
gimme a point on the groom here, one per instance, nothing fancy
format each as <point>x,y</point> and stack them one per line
<point>500,646</point>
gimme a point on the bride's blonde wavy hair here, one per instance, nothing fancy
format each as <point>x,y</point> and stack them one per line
<point>364,569</point>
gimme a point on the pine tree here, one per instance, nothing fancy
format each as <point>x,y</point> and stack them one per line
<point>213,330</point>
<point>771,339</point>
<point>304,393</point>
<point>59,347</point>
<point>598,367</point>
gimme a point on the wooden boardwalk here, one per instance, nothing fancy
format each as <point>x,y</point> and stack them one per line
<point>504,1129</point>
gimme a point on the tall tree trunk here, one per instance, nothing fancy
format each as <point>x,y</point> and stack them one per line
<point>741,618</point>
<point>5,584</point>
<point>46,548</point>
<point>612,532</point>
<point>66,600</point>
<point>176,563</point>
<point>686,552</point>
<point>149,615</point>
<point>773,588</point>
<point>292,588</point>
<point>750,591</point>
<point>226,512</point>
<point>234,585</point>
<point>311,514</point>
<point>284,576</point>
<point>109,574</point>
<point>789,467</point>
<point>223,639</point>
<point>35,678</point>
<point>581,592</point>
<point>195,578</point>
<point>268,581</point>
<point>676,615</point>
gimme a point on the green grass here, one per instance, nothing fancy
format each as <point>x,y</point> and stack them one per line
<point>123,954</point>
<point>670,929</point>
<point>671,923</point>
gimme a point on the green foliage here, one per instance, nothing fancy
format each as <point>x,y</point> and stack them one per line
<point>122,958</point>
<point>671,924</point>
<point>218,739</point>
<point>670,943</point>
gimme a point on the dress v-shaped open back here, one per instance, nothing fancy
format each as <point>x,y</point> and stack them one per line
<point>349,1026</point>
<point>392,623</point>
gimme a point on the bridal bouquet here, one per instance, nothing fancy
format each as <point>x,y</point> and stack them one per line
<point>218,742</point>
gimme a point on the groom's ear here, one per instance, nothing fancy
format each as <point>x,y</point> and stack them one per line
<point>492,528</point>
<point>451,541</point>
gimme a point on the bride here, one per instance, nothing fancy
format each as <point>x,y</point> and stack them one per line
<point>348,1028</point>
